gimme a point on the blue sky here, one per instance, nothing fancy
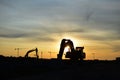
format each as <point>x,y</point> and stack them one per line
<point>41,20</point>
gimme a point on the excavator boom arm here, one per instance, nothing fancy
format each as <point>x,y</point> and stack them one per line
<point>26,55</point>
<point>64,43</point>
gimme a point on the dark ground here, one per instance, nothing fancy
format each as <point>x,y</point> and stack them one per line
<point>43,69</point>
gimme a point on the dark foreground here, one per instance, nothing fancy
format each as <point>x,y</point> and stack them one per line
<point>43,69</point>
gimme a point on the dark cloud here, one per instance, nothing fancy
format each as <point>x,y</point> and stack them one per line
<point>116,48</point>
<point>102,38</point>
<point>12,35</point>
<point>109,37</point>
<point>45,17</point>
<point>6,3</point>
<point>113,45</point>
<point>42,39</point>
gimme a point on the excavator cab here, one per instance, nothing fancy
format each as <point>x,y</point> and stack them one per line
<point>73,54</point>
<point>77,54</point>
<point>80,50</point>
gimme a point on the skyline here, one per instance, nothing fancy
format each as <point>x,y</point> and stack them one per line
<point>94,24</point>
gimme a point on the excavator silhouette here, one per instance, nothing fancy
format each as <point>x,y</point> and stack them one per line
<point>73,54</point>
<point>36,50</point>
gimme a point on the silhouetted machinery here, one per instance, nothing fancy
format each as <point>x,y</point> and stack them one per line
<point>73,54</point>
<point>36,50</point>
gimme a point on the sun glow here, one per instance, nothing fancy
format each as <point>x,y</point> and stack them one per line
<point>67,48</point>
<point>76,41</point>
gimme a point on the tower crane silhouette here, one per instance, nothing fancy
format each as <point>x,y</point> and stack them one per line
<point>18,51</point>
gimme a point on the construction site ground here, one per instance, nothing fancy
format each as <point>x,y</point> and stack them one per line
<point>53,69</point>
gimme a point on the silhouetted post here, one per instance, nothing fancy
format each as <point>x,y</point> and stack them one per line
<point>93,56</point>
<point>41,54</point>
<point>17,51</point>
<point>37,53</point>
<point>50,53</point>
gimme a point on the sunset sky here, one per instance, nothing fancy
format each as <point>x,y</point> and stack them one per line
<point>94,24</point>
